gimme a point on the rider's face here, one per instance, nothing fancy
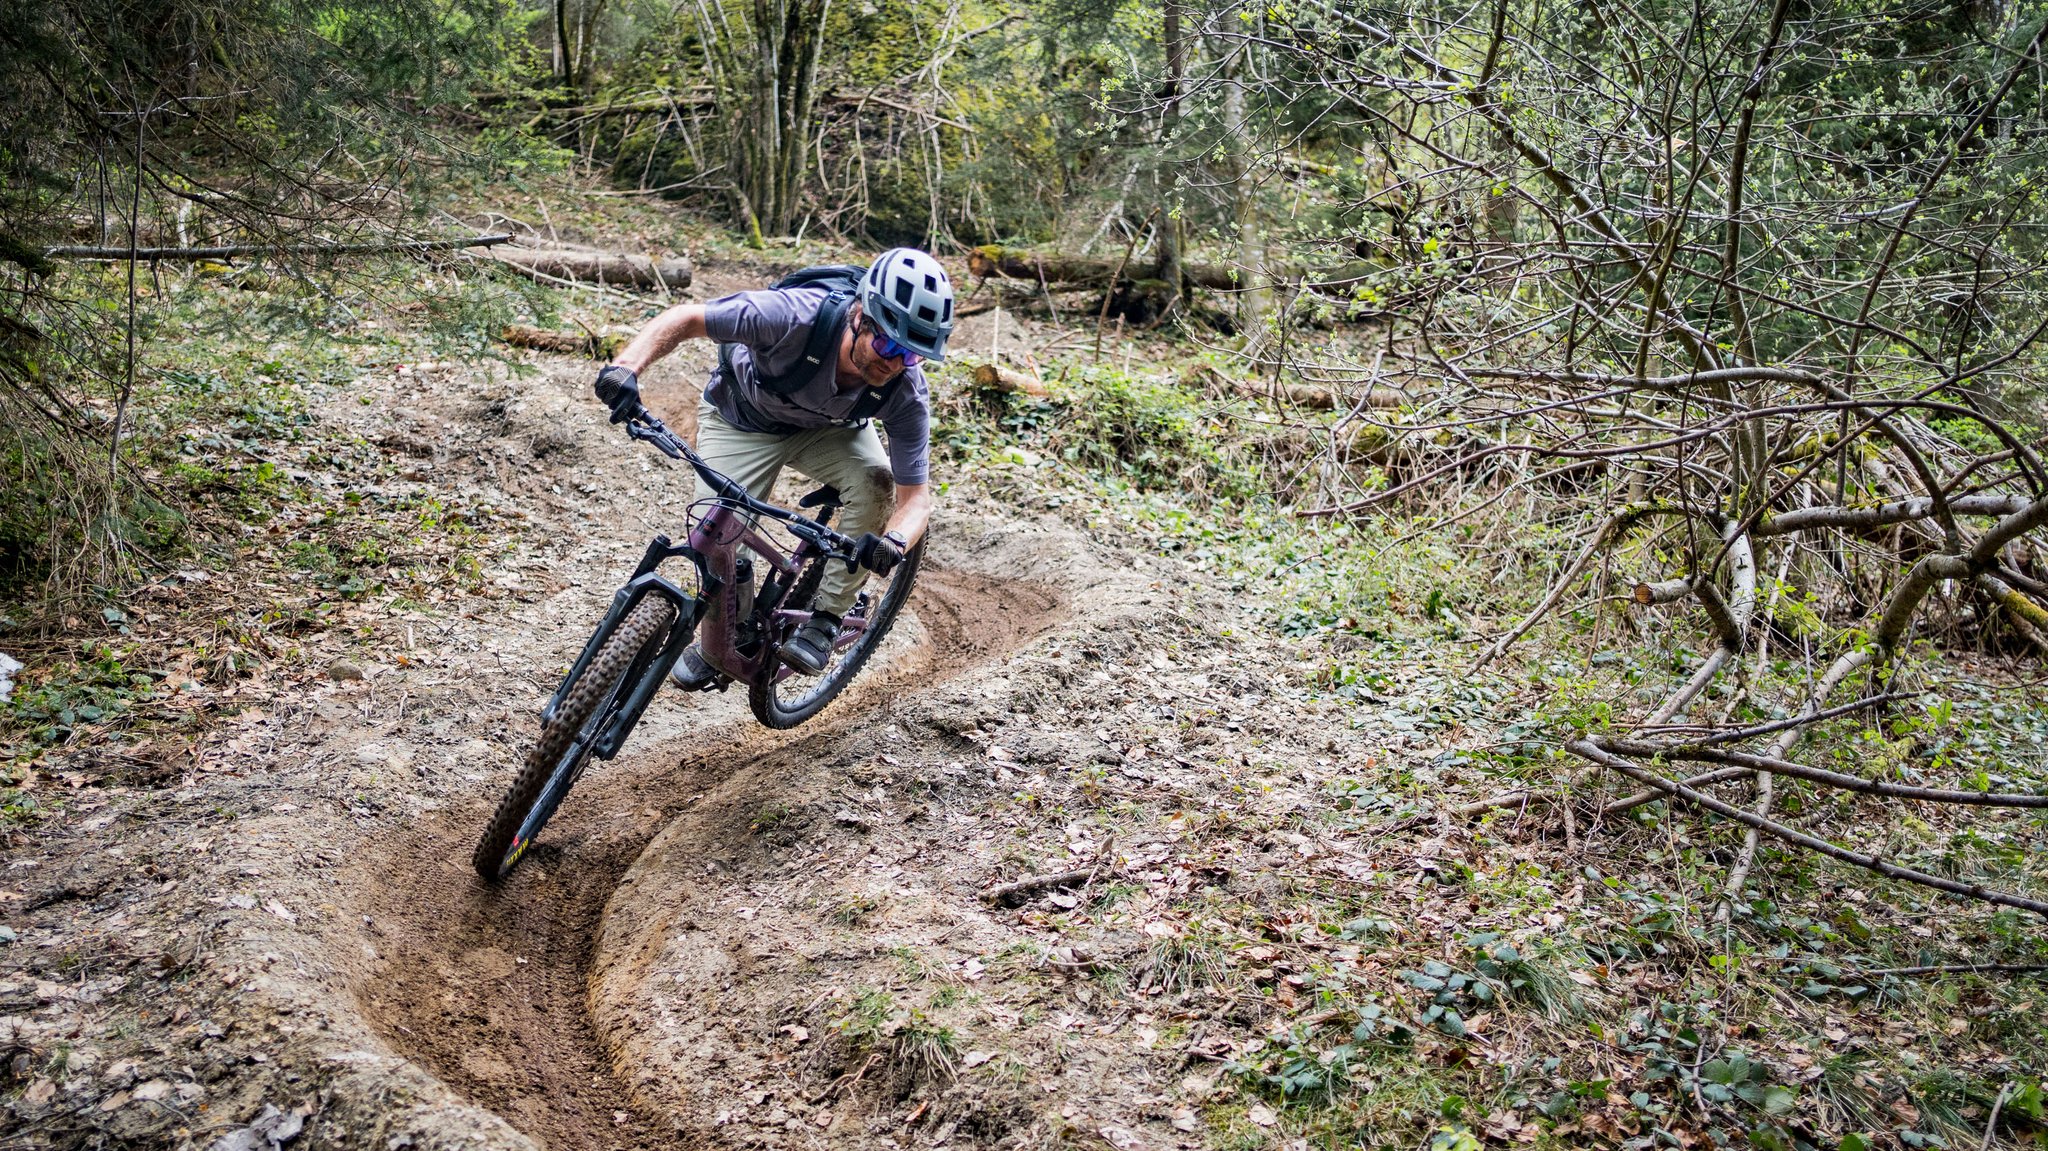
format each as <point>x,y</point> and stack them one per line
<point>875,368</point>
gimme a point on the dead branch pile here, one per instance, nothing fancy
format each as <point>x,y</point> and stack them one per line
<point>1735,432</point>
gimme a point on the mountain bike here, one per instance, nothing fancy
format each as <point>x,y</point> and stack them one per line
<point>739,627</point>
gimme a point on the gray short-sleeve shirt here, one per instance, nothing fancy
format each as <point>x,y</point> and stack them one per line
<point>770,327</point>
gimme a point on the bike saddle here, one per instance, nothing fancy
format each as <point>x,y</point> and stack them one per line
<point>825,497</point>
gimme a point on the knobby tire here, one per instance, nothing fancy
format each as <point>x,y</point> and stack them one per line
<point>565,743</point>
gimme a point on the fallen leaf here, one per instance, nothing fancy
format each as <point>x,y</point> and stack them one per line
<point>797,1032</point>
<point>281,911</point>
<point>1262,1115</point>
<point>977,1058</point>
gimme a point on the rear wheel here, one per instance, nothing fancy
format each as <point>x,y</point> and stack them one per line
<point>782,700</point>
<point>565,743</point>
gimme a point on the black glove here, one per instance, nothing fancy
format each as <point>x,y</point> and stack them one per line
<point>619,388</point>
<point>878,555</point>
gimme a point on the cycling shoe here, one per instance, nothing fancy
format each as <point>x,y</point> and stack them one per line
<point>810,649</point>
<point>693,672</point>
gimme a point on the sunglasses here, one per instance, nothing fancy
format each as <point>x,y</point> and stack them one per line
<point>889,349</point>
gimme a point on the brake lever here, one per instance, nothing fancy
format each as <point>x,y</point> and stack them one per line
<point>835,545</point>
<point>654,432</point>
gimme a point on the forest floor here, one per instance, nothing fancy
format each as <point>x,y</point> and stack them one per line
<point>250,921</point>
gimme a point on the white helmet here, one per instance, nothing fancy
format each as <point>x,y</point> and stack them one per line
<point>910,299</point>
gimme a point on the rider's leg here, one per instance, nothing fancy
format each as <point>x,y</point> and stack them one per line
<point>853,461</point>
<point>753,460</point>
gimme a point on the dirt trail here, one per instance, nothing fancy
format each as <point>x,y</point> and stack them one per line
<point>488,987</point>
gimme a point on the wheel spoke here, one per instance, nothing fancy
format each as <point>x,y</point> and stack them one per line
<point>782,700</point>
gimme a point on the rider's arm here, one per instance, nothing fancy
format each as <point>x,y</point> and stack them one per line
<point>913,510</point>
<point>661,335</point>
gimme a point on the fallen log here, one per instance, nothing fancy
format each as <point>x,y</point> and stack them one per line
<point>1664,591</point>
<point>1319,399</point>
<point>1024,890</point>
<point>591,266</point>
<point>997,378</point>
<point>230,251</point>
<point>1048,268</point>
<point>995,260</point>
<point>597,346</point>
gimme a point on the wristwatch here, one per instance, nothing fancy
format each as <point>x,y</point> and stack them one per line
<point>896,537</point>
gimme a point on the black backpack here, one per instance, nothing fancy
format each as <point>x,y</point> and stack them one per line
<point>842,282</point>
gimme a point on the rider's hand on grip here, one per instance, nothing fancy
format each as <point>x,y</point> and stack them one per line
<point>878,555</point>
<point>619,388</point>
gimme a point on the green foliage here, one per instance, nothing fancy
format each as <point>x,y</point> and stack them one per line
<point>95,690</point>
<point>1136,425</point>
<point>190,124</point>
<point>922,1049</point>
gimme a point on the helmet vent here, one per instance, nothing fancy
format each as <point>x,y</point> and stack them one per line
<point>925,313</point>
<point>903,290</point>
<point>931,282</point>
<point>949,310</point>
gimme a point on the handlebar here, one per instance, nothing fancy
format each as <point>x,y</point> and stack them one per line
<point>645,425</point>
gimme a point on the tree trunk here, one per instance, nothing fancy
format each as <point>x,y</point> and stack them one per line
<point>586,39</point>
<point>1251,244</point>
<point>563,71</point>
<point>1164,176</point>
<point>764,59</point>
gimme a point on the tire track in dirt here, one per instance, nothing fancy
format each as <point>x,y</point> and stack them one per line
<point>487,987</point>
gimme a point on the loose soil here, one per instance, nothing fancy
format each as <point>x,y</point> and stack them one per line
<point>486,986</point>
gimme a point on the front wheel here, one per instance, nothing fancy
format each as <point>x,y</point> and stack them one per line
<point>565,743</point>
<point>783,700</point>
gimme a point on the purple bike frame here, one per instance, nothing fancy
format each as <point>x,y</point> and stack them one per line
<point>717,536</point>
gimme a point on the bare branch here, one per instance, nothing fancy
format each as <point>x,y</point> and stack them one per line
<point>1586,749</point>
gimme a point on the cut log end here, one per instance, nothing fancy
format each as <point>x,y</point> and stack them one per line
<point>1665,591</point>
<point>995,377</point>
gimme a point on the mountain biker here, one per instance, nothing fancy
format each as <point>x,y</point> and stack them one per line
<point>900,314</point>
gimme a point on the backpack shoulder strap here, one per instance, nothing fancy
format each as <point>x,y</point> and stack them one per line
<point>873,400</point>
<point>823,341</point>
